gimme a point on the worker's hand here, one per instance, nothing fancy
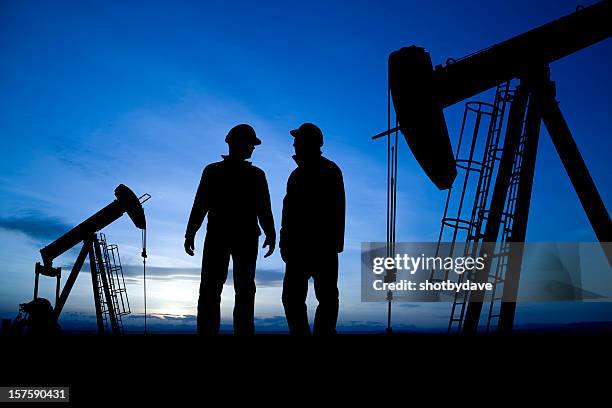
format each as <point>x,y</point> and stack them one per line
<point>189,246</point>
<point>270,242</point>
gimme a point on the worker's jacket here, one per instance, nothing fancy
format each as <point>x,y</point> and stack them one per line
<point>314,207</point>
<point>235,195</point>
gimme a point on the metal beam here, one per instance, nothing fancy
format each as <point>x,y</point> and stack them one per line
<point>517,56</point>
<point>96,295</point>
<point>105,285</point>
<point>577,170</point>
<point>521,216</point>
<point>76,268</point>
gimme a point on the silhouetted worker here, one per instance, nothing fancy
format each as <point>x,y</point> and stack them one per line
<point>235,195</point>
<point>312,234</point>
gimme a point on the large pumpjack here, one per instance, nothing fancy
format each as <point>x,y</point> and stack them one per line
<point>419,93</point>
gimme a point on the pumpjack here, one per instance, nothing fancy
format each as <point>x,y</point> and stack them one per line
<point>419,94</point>
<point>39,316</point>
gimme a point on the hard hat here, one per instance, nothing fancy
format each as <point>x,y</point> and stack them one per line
<point>242,134</point>
<point>308,132</point>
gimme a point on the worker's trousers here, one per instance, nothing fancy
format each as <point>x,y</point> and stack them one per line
<point>215,263</point>
<point>323,268</point>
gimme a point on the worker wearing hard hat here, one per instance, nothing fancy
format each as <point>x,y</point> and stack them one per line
<point>312,233</point>
<point>235,195</point>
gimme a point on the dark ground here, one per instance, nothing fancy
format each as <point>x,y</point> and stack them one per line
<point>378,368</point>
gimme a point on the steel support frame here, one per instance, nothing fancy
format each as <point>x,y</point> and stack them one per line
<point>543,107</point>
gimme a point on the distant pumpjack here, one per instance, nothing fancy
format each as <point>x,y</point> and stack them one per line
<point>126,202</point>
<point>420,93</point>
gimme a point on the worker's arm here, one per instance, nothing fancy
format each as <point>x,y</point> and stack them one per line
<point>340,211</point>
<point>198,211</point>
<point>266,219</point>
<point>286,220</point>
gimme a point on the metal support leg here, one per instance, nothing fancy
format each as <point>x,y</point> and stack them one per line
<point>577,171</point>
<point>521,215</point>
<point>36,279</point>
<point>107,294</point>
<point>498,201</point>
<point>78,264</point>
<point>95,285</point>
<point>57,287</point>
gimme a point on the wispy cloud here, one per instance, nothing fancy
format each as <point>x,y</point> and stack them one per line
<point>35,225</point>
<point>264,277</point>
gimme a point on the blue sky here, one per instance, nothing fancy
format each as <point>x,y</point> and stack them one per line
<point>93,94</point>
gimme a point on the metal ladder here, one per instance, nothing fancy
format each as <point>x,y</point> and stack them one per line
<point>471,228</point>
<point>116,282</point>
<point>480,216</point>
<point>99,293</point>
